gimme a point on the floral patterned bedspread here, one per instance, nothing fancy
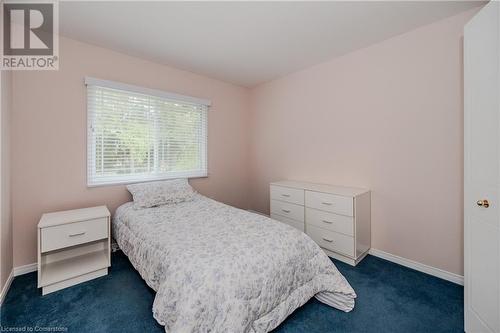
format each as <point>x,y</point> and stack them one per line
<point>217,268</point>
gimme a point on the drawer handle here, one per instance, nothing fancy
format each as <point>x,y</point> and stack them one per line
<point>78,234</point>
<point>328,240</point>
<point>327,203</point>
<point>286,210</point>
<point>329,222</point>
<point>285,195</point>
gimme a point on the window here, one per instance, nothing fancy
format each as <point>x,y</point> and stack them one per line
<point>138,134</point>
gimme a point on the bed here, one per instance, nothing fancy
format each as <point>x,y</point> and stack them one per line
<point>216,268</point>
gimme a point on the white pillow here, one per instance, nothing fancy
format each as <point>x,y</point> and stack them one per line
<point>161,193</point>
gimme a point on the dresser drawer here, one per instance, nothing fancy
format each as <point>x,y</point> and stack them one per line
<point>330,202</point>
<point>286,209</point>
<point>287,194</point>
<point>296,224</point>
<point>332,241</point>
<point>61,236</point>
<point>330,221</point>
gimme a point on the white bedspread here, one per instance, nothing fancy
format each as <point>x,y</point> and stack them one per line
<point>217,268</point>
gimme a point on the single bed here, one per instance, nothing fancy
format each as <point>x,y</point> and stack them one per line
<point>216,268</point>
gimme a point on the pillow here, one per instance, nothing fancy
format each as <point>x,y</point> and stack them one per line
<point>154,194</point>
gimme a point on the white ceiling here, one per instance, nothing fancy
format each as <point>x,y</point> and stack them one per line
<point>245,43</point>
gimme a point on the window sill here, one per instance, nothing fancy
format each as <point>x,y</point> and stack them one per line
<point>147,180</point>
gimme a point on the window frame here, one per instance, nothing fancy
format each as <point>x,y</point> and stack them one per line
<point>92,179</point>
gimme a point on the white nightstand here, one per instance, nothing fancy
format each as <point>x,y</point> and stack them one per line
<point>73,247</point>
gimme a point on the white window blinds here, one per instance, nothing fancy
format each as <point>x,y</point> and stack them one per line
<point>138,134</point>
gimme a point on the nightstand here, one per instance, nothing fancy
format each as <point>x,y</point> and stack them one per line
<point>73,247</point>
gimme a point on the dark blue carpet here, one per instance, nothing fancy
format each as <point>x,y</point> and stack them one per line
<point>391,298</point>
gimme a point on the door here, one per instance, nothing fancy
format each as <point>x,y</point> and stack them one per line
<point>482,170</point>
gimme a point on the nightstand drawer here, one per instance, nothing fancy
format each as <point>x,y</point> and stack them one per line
<point>287,194</point>
<point>289,210</point>
<point>330,203</point>
<point>61,236</point>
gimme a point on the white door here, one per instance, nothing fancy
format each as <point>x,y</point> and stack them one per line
<point>482,170</point>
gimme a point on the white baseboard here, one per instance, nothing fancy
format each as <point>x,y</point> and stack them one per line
<point>437,272</point>
<point>20,270</point>
<point>6,287</point>
<point>16,271</point>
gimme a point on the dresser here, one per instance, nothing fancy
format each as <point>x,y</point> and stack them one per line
<point>337,218</point>
<point>73,247</point>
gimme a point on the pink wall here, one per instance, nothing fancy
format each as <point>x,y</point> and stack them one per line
<point>6,246</point>
<point>388,117</point>
<point>49,136</point>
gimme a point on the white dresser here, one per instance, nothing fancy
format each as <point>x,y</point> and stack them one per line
<point>337,218</point>
<point>73,247</point>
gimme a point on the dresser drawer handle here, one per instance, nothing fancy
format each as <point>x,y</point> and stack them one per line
<point>78,234</point>
<point>327,203</point>
<point>285,195</point>
<point>286,210</point>
<point>328,240</point>
<point>325,221</point>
